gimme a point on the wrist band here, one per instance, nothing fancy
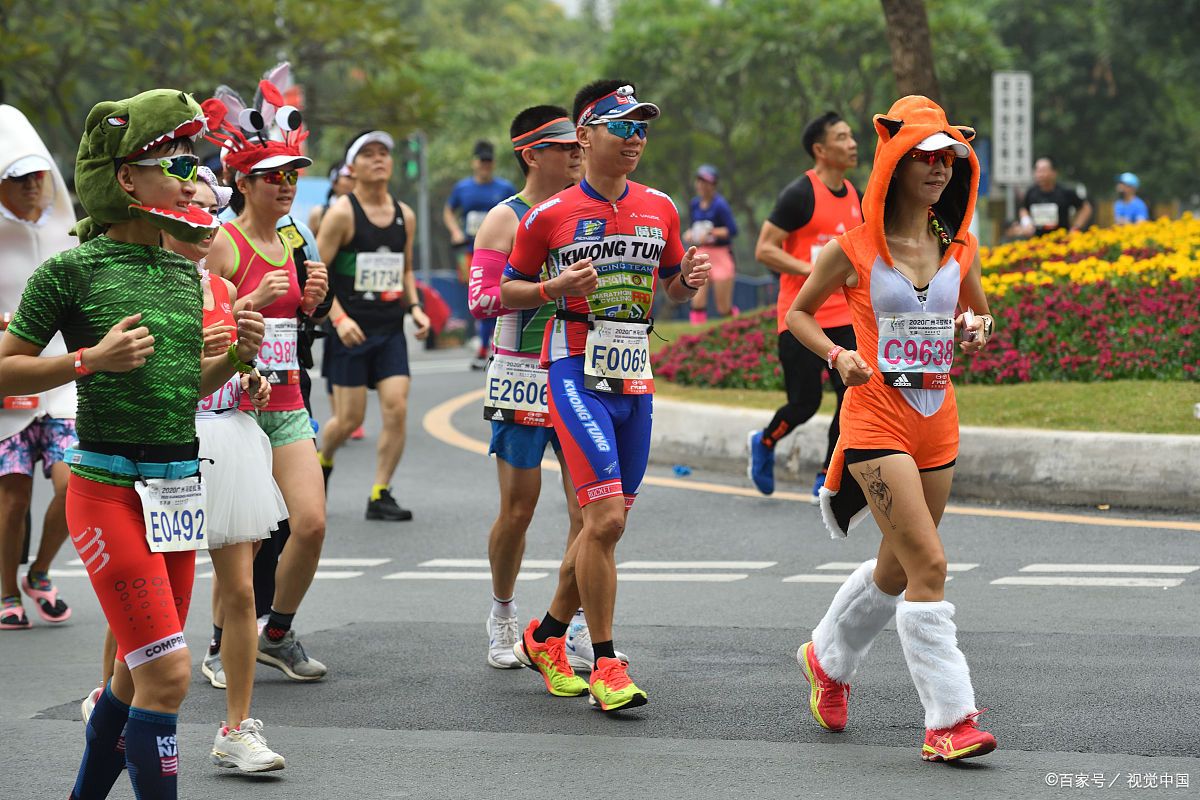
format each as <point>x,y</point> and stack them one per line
<point>80,369</point>
<point>542,293</point>
<point>683,279</point>
<point>241,366</point>
<point>831,359</point>
<point>338,321</point>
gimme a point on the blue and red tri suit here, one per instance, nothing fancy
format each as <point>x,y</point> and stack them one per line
<point>632,241</point>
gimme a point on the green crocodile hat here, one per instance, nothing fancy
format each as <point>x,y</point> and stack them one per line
<point>118,130</point>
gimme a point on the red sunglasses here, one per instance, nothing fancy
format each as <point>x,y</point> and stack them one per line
<point>931,157</point>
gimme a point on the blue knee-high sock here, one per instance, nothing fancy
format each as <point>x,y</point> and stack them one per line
<point>104,754</point>
<point>151,754</point>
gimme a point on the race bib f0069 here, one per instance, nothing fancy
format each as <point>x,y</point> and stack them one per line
<point>616,359</point>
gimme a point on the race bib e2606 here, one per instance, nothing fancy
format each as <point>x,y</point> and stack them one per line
<point>516,392</point>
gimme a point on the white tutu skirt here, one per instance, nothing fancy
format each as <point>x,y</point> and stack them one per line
<point>243,502</point>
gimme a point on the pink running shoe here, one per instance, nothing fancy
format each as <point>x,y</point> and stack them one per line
<point>358,433</point>
<point>49,606</point>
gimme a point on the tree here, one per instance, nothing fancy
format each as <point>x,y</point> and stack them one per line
<point>912,50</point>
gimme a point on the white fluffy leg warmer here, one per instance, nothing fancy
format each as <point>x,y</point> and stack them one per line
<point>938,667</point>
<point>855,617</point>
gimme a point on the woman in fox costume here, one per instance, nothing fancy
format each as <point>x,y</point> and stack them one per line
<point>911,276</point>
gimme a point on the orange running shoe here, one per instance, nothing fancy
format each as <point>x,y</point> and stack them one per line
<point>829,700</point>
<point>611,689</point>
<point>549,659</point>
<point>963,740</point>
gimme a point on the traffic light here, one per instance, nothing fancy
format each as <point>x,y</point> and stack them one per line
<point>412,158</point>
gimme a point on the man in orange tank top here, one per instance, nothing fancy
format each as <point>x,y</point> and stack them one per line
<point>810,211</point>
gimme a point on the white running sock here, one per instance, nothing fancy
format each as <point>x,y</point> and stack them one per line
<point>578,617</point>
<point>857,614</point>
<point>938,668</point>
<point>504,608</point>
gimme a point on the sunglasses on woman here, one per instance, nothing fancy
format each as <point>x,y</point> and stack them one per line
<point>279,177</point>
<point>626,128</point>
<point>181,168</point>
<point>931,157</point>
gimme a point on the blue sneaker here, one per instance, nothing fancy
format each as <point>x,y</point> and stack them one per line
<point>817,484</point>
<point>761,468</point>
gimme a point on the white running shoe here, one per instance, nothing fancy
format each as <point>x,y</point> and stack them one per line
<point>244,748</point>
<point>503,633</point>
<point>89,703</point>
<point>213,670</point>
<point>579,648</point>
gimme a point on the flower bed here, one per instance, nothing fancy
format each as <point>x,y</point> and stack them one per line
<point>1106,304</point>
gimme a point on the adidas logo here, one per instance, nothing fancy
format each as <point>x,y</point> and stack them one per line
<point>498,416</point>
<point>603,386</point>
<point>902,381</point>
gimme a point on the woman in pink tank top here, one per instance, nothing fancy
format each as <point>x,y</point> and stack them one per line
<point>250,252</point>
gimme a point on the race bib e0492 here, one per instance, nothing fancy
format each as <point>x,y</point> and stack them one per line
<point>174,512</point>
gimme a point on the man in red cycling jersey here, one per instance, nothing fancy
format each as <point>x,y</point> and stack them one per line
<point>595,250</point>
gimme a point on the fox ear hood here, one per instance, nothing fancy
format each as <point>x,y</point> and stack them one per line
<point>907,123</point>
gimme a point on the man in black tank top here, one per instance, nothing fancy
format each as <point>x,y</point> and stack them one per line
<point>366,238</point>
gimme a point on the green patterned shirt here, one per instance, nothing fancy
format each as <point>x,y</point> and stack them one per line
<point>86,290</point>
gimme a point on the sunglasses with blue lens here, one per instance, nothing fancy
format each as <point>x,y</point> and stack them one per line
<point>626,128</point>
<point>181,167</point>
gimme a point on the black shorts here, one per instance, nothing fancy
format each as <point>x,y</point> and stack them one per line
<point>379,357</point>
<point>855,456</point>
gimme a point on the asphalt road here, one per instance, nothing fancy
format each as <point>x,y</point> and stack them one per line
<point>1092,688</point>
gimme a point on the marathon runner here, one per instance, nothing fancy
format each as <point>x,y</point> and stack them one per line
<point>811,211</point>
<point>130,313</point>
<point>549,156</point>
<point>595,250</point>
<point>911,275</point>
<point>35,223</point>
<point>235,460</point>
<point>469,202</point>
<point>366,237</point>
<point>251,253</point>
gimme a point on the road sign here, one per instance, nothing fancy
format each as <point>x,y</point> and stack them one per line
<point>1012,128</point>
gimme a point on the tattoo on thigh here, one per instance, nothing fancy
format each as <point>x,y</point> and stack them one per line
<point>878,491</point>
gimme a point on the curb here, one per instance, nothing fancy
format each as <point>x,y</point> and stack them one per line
<point>994,464</point>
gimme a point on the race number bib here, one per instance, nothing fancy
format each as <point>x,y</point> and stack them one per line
<point>382,273</point>
<point>1045,215</point>
<point>616,359</point>
<point>916,350</point>
<point>174,513</point>
<point>474,221</point>
<point>516,392</point>
<point>278,360</point>
<point>223,399</point>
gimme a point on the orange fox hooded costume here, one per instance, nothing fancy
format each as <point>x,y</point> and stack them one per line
<point>911,411</point>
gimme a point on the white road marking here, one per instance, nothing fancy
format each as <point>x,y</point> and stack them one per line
<point>826,578</point>
<point>695,564</point>
<point>1162,569</point>
<point>482,563</point>
<point>321,574</point>
<point>682,577</point>
<point>354,562</point>
<point>1049,580</point>
<point>850,565</point>
<point>457,576</point>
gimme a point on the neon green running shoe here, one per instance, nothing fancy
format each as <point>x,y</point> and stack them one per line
<point>610,688</point>
<point>550,661</point>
